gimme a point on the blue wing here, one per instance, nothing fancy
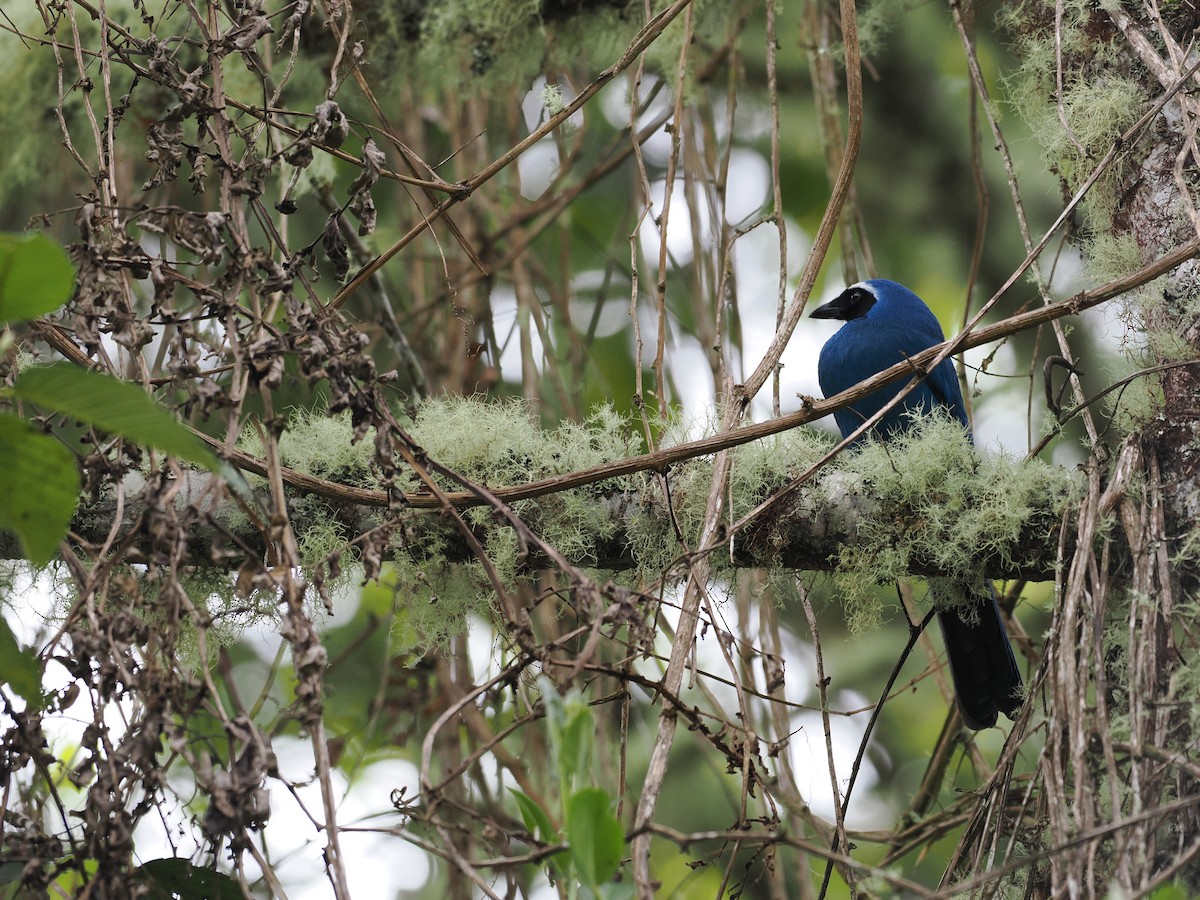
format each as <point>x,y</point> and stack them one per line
<point>941,385</point>
<point>862,348</point>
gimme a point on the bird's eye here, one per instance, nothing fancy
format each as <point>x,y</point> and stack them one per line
<point>861,301</point>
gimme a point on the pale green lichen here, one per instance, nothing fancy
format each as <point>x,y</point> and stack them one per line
<point>320,540</point>
<point>322,445</point>
<point>465,45</point>
<point>1074,91</point>
<point>1096,114</point>
<point>212,597</point>
<point>1135,404</point>
<point>318,444</point>
<point>502,443</point>
<point>942,504</point>
<point>1111,255</point>
<point>708,26</point>
<point>437,601</point>
<point>489,31</point>
<point>1163,308</point>
<point>1080,89</point>
<point>1185,682</point>
<point>758,469</point>
<point>958,505</point>
<point>761,467</point>
<point>552,100</point>
<point>498,444</point>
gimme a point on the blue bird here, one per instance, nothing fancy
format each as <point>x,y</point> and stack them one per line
<point>886,323</point>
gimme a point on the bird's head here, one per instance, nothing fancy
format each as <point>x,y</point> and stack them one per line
<point>860,299</point>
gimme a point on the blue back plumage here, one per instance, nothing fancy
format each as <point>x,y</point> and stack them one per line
<point>896,326</point>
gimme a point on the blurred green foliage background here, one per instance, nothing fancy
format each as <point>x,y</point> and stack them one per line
<point>561,236</point>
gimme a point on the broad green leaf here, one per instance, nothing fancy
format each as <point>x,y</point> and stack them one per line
<point>168,878</point>
<point>539,825</point>
<point>39,488</point>
<point>19,668</point>
<point>536,821</point>
<point>571,727</point>
<point>36,277</point>
<point>576,738</point>
<point>117,407</point>
<point>595,835</point>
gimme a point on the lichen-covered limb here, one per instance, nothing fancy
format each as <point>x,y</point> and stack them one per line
<point>929,505</point>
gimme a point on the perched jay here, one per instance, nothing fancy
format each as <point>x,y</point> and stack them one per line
<point>886,323</point>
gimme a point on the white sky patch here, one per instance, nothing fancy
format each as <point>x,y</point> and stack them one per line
<point>1000,423</point>
<point>1067,272</point>
<point>483,646</point>
<point>297,848</point>
<point>614,103</point>
<point>810,763</point>
<point>799,374</point>
<point>595,288</point>
<point>367,805</point>
<point>538,167</point>
<point>1113,327</point>
<point>691,373</point>
<point>33,619</point>
<point>505,315</point>
<point>999,411</point>
<point>749,187</point>
<point>753,120</point>
<point>680,243</point>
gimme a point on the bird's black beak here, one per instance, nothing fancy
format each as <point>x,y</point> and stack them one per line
<point>831,310</point>
<point>852,303</point>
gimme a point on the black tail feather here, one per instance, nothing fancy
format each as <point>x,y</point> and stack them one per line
<point>982,665</point>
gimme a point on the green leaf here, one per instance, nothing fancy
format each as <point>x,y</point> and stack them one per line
<point>168,878</point>
<point>571,728</point>
<point>39,488</point>
<point>576,738</point>
<point>19,668</point>
<point>36,277</point>
<point>596,837</point>
<point>117,407</point>
<point>537,822</point>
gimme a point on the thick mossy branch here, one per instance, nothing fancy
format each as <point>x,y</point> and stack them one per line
<point>927,504</point>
